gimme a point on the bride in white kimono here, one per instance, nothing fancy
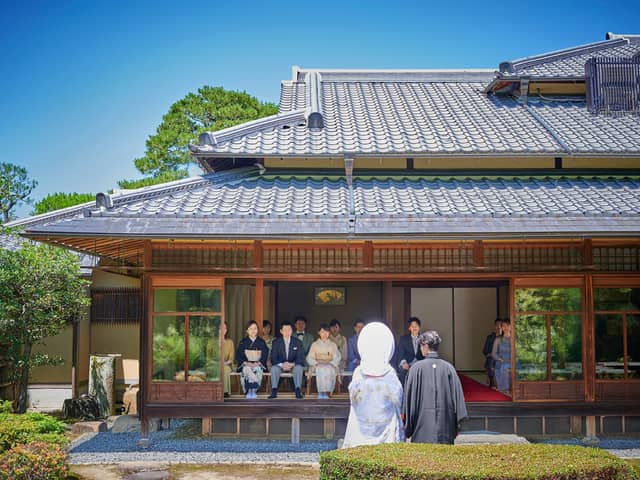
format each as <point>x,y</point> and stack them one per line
<point>323,359</point>
<point>375,392</point>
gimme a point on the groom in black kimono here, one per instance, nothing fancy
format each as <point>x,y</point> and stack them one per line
<point>433,398</point>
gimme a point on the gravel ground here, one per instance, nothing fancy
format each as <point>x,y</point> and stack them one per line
<point>167,446</point>
<point>621,447</point>
<point>171,446</point>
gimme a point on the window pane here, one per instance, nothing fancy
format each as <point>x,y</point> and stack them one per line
<point>633,345</point>
<point>548,299</point>
<point>609,347</point>
<point>531,348</point>
<point>566,347</point>
<point>616,298</point>
<point>168,348</point>
<point>204,349</point>
<point>186,300</point>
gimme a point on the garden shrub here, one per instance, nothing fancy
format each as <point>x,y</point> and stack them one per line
<point>409,461</point>
<point>30,427</point>
<point>6,406</point>
<point>36,461</point>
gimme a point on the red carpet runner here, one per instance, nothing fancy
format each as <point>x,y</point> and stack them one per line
<point>477,392</point>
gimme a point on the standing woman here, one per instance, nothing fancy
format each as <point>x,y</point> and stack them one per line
<point>251,357</point>
<point>501,353</point>
<point>324,358</point>
<point>266,333</point>
<point>227,358</point>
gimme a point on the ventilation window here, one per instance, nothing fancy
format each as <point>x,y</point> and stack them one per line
<point>613,85</point>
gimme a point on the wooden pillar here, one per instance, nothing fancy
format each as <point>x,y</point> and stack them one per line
<point>207,425</point>
<point>591,427</point>
<point>259,303</point>
<point>388,303</point>
<point>588,342</point>
<point>295,431</point>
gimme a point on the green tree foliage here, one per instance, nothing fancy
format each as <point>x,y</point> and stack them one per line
<point>15,188</point>
<point>40,293</point>
<point>210,109</point>
<point>162,177</point>
<point>56,201</point>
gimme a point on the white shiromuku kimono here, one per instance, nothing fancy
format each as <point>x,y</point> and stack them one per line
<point>375,392</point>
<point>325,369</point>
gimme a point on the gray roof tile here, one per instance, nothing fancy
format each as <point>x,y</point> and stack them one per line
<point>569,62</point>
<point>268,205</point>
<point>402,117</point>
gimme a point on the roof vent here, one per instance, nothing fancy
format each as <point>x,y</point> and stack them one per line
<point>613,85</point>
<point>315,121</point>
<point>104,201</point>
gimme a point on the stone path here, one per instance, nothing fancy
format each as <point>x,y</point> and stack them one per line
<point>163,471</point>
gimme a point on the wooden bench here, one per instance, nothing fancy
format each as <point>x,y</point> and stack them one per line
<point>266,380</point>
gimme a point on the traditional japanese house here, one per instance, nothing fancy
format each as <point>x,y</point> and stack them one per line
<point>456,196</point>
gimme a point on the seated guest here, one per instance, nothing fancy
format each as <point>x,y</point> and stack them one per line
<point>302,335</point>
<point>251,369</point>
<point>375,392</point>
<point>287,355</point>
<point>341,342</point>
<point>352,346</point>
<point>323,360</point>
<point>227,358</point>
<point>267,328</point>
<point>408,349</point>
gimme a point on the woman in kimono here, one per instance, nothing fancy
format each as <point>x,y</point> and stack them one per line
<point>323,359</point>
<point>251,369</point>
<point>375,391</point>
<point>227,358</point>
<point>501,353</point>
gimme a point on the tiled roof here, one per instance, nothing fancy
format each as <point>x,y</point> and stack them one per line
<point>569,62</point>
<point>271,206</point>
<point>292,96</point>
<point>399,117</point>
<point>414,113</point>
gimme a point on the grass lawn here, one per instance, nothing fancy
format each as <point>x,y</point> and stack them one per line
<point>635,463</point>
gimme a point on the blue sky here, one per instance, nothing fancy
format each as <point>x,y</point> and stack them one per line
<point>85,83</point>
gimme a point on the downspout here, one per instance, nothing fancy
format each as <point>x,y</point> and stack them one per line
<point>348,171</point>
<point>548,128</point>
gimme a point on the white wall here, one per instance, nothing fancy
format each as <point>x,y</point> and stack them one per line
<point>433,306</point>
<point>462,316</point>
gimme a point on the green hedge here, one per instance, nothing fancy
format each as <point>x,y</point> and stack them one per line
<point>18,429</point>
<point>408,461</point>
<point>36,461</point>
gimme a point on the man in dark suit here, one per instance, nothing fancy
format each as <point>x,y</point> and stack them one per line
<point>287,355</point>
<point>408,351</point>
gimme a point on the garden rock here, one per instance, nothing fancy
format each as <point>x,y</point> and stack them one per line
<point>130,424</point>
<point>84,407</point>
<point>88,427</point>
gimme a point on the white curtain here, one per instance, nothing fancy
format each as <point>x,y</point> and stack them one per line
<point>239,309</point>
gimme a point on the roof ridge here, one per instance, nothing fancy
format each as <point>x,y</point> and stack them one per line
<point>511,66</point>
<point>211,139</point>
<point>138,193</point>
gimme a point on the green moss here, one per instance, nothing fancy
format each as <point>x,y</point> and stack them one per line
<point>472,462</point>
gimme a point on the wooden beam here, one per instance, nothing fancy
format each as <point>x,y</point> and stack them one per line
<point>478,254</point>
<point>388,303</point>
<point>587,252</point>
<point>258,254</point>
<point>259,314</point>
<point>367,255</point>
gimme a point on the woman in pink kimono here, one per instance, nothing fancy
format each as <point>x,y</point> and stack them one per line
<point>323,360</point>
<point>375,392</point>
